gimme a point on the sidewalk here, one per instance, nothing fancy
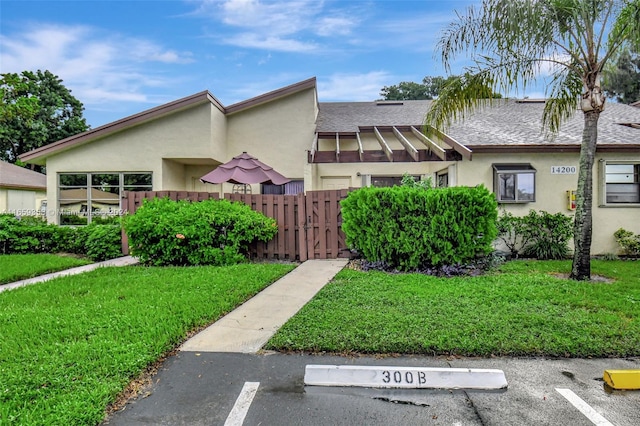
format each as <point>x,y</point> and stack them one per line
<point>251,325</point>
<point>120,261</point>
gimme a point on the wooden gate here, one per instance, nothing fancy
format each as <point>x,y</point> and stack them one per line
<point>322,223</point>
<point>309,225</point>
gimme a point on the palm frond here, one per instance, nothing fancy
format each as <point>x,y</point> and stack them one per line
<point>562,104</point>
<point>460,96</point>
<point>626,28</point>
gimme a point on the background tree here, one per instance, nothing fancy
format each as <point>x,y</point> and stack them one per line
<point>36,109</point>
<point>406,90</point>
<point>428,89</point>
<point>512,40</point>
<point>622,77</point>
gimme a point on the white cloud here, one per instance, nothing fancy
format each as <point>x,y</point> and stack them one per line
<point>146,51</point>
<point>287,26</point>
<point>354,87</point>
<point>276,18</point>
<point>336,25</point>
<point>270,43</point>
<point>99,68</point>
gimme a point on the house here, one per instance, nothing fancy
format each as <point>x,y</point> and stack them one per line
<point>333,145</point>
<point>23,192</point>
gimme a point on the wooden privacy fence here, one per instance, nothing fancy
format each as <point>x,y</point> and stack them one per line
<point>309,225</point>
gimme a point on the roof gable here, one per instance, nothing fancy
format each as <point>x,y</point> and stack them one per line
<point>39,155</point>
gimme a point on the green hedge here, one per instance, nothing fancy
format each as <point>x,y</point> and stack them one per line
<point>409,228</point>
<point>211,232</point>
<point>33,235</point>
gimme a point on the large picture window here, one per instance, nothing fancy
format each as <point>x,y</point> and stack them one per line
<point>95,197</point>
<point>514,183</point>
<point>622,183</point>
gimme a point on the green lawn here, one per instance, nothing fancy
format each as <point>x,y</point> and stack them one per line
<point>522,310</point>
<point>16,267</point>
<point>70,345</point>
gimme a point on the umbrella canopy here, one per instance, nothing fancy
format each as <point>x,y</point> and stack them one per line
<point>244,169</point>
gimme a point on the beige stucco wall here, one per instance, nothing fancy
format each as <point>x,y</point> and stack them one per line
<point>551,191</point>
<point>164,147</point>
<point>278,133</point>
<point>326,176</point>
<point>21,202</point>
<point>3,200</point>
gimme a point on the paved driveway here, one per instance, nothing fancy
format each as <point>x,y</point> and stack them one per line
<point>195,388</point>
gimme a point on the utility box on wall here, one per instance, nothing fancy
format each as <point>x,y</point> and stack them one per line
<point>571,200</point>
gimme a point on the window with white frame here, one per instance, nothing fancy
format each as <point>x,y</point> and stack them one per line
<point>621,182</point>
<point>95,197</point>
<point>514,183</point>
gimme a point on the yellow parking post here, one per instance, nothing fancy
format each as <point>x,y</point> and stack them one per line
<point>623,379</point>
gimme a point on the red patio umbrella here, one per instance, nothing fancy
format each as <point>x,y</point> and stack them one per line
<point>244,169</point>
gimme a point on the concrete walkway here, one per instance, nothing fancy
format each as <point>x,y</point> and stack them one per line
<point>120,261</point>
<point>250,326</point>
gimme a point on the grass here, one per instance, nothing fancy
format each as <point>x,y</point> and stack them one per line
<point>16,267</point>
<point>521,310</point>
<point>71,345</point>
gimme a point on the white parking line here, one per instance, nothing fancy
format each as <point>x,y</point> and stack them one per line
<point>241,407</point>
<point>584,408</point>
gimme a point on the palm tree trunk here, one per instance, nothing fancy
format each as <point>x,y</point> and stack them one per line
<point>582,227</point>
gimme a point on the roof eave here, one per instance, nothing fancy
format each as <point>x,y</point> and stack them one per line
<point>25,187</point>
<point>549,148</point>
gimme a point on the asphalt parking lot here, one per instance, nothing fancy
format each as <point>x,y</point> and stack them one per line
<point>207,388</point>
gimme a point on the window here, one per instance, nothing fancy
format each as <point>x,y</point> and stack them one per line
<point>293,187</point>
<point>514,183</point>
<point>442,179</point>
<point>386,181</point>
<point>622,183</point>
<point>95,197</point>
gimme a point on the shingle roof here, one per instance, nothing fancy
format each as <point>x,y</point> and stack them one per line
<point>507,122</point>
<point>348,116</point>
<point>12,176</point>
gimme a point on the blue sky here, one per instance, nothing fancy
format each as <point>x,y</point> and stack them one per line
<point>122,57</point>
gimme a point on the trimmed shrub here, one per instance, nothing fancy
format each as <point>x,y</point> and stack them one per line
<point>34,235</point>
<point>629,242</point>
<point>26,235</point>
<point>210,232</point>
<point>409,228</point>
<point>103,242</point>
